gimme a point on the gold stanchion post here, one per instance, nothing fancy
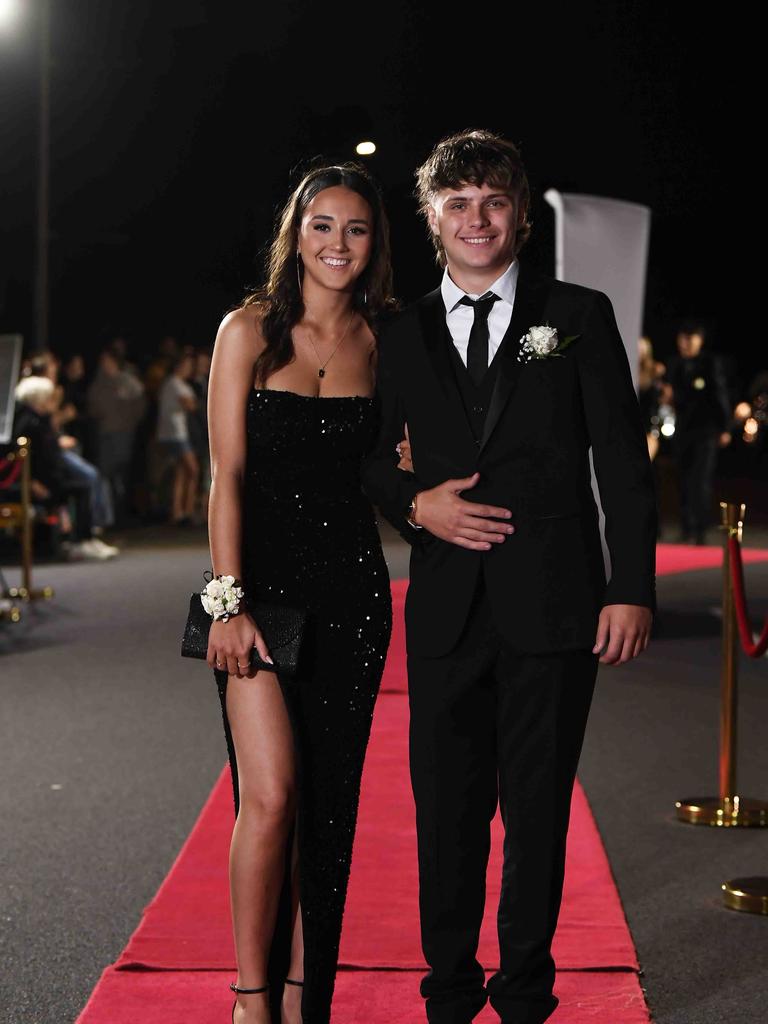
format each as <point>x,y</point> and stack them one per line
<point>728,809</point>
<point>26,591</point>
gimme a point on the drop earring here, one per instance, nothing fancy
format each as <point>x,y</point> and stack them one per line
<point>298,273</point>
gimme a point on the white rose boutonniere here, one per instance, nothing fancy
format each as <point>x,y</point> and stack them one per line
<point>542,342</point>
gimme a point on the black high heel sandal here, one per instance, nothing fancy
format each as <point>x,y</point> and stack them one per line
<point>247,992</point>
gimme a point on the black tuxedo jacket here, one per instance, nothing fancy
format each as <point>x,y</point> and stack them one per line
<point>546,582</point>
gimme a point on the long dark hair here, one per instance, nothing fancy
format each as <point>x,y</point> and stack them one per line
<point>280,300</point>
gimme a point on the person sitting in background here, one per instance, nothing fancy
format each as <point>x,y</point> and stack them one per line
<point>43,364</point>
<point>702,425</point>
<point>47,364</point>
<point>52,481</point>
<point>79,470</point>
<point>177,399</point>
<point>116,403</point>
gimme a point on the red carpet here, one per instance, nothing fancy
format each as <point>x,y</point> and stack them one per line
<point>361,997</point>
<point>684,558</point>
<point>173,934</point>
<point>179,960</point>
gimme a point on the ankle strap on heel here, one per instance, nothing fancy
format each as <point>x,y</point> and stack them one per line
<point>247,991</point>
<point>290,981</point>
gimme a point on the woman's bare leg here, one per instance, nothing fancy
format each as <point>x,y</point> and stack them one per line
<point>263,741</point>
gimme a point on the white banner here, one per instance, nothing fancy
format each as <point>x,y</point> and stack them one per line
<point>10,364</point>
<point>603,243</point>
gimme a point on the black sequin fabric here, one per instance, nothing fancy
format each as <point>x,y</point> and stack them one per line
<point>310,540</point>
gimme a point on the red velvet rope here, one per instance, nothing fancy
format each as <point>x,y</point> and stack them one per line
<point>13,474</point>
<point>752,649</point>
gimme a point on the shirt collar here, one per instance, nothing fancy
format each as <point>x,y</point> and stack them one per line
<point>504,286</point>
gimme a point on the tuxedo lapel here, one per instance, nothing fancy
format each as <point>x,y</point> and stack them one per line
<point>435,334</point>
<point>527,311</point>
<point>434,331</point>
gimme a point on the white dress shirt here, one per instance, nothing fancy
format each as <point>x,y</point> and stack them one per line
<point>460,318</point>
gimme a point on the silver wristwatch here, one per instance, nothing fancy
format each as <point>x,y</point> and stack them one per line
<point>412,513</point>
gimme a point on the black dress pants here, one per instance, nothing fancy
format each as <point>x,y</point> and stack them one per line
<point>490,723</point>
<point>696,452</point>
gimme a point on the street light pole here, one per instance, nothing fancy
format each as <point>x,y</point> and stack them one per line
<point>40,340</point>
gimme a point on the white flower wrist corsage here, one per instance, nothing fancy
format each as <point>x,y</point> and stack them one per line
<point>221,597</point>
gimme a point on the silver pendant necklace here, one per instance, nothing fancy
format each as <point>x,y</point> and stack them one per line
<point>321,371</point>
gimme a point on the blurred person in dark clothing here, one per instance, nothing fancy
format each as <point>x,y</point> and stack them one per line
<point>702,426</point>
<point>53,479</point>
<point>116,403</point>
<point>118,346</point>
<point>168,351</point>
<point>74,398</point>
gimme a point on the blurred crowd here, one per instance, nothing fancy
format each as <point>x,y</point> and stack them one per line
<point>693,408</point>
<point>122,445</point>
<point>127,443</point>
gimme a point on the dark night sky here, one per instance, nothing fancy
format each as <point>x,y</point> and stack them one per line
<point>177,128</point>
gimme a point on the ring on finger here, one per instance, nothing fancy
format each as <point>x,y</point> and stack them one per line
<point>399,450</point>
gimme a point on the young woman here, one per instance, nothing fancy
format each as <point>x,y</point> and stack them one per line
<point>291,415</point>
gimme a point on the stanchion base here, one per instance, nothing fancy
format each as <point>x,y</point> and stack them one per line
<point>739,812</point>
<point>748,894</point>
<point>9,611</point>
<point>21,593</point>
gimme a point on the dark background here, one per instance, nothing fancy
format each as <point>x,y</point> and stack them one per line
<point>177,128</point>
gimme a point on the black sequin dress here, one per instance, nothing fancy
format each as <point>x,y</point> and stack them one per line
<point>310,540</point>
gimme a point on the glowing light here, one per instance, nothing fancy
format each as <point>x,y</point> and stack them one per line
<point>750,427</point>
<point>9,10</point>
<point>742,411</point>
<point>668,429</point>
<point>362,148</point>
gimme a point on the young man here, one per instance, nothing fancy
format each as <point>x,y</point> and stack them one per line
<point>703,411</point>
<point>508,612</point>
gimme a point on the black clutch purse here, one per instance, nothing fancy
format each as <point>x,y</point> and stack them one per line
<point>282,629</point>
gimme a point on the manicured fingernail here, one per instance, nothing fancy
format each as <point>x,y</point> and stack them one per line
<point>269,660</point>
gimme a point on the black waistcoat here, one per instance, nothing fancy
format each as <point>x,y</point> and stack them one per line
<point>475,399</point>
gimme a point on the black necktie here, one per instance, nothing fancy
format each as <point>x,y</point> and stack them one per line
<point>477,349</point>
